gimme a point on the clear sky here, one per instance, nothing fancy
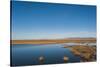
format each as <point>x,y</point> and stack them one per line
<point>35,20</point>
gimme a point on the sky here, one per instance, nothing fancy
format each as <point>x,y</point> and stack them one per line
<point>37,20</point>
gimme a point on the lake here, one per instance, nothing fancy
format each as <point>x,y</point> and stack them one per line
<point>28,54</point>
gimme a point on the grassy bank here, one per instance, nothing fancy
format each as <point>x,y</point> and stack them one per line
<point>53,41</point>
<point>87,53</point>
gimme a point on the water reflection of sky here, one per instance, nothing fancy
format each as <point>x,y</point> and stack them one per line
<point>29,54</point>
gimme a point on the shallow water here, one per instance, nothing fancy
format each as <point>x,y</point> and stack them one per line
<point>29,54</point>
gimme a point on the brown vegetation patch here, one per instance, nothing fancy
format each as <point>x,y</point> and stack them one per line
<point>88,53</point>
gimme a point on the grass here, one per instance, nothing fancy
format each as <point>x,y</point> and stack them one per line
<point>54,41</point>
<point>87,53</point>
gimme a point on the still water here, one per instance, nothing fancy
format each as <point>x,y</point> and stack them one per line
<point>29,54</point>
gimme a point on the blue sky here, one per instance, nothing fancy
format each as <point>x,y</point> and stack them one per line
<point>35,20</point>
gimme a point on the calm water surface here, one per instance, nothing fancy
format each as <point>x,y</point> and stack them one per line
<point>29,54</point>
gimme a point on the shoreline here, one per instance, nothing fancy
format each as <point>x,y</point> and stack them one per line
<point>86,52</point>
<point>54,41</point>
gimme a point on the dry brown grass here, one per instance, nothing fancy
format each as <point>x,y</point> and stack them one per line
<point>86,52</point>
<point>53,41</point>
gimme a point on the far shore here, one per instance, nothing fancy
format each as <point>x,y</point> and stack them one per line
<point>55,41</point>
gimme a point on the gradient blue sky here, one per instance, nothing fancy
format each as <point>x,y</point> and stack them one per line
<point>35,20</point>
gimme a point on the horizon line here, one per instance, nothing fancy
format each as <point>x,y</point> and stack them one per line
<point>54,38</point>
